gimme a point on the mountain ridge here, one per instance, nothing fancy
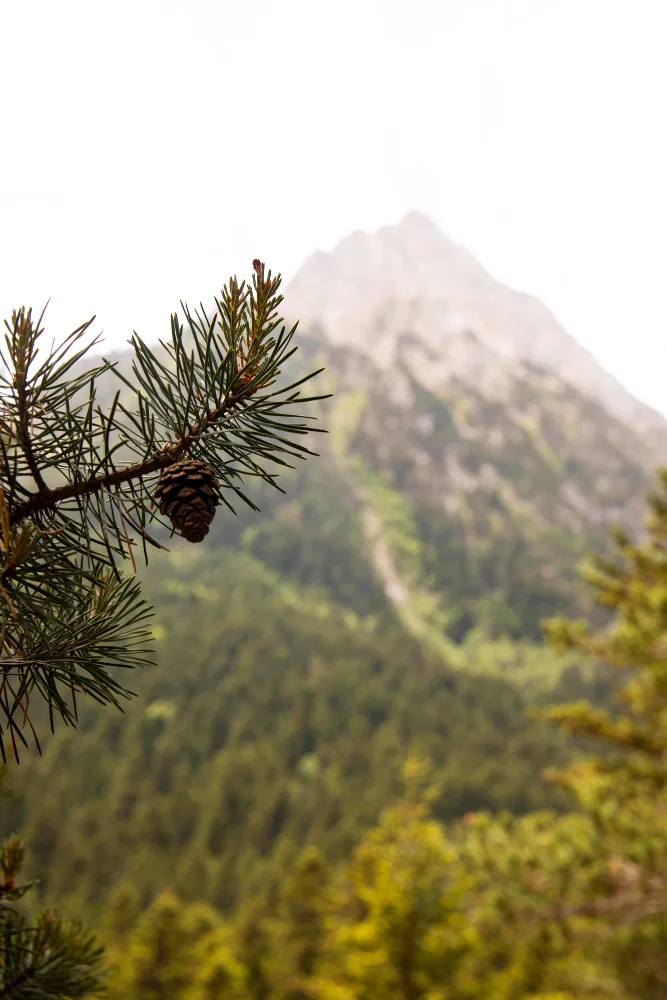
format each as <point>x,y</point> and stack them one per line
<point>411,277</point>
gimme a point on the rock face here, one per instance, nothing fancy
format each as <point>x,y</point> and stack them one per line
<point>485,450</point>
<point>410,278</point>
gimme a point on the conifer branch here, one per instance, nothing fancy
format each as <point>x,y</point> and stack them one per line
<point>23,354</point>
<point>66,613</point>
<point>170,453</point>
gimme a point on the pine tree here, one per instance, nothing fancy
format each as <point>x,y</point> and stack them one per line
<point>79,488</point>
<point>299,928</point>
<point>158,961</point>
<point>576,905</point>
<point>626,786</point>
<point>254,936</point>
<point>624,789</point>
<point>219,974</point>
<point>397,918</point>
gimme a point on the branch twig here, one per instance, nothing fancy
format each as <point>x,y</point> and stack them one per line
<point>170,453</point>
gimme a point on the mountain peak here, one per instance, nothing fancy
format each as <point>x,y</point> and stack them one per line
<point>417,225</point>
<point>411,278</point>
<point>410,261</point>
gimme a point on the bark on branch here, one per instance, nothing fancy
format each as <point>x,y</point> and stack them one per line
<point>170,453</point>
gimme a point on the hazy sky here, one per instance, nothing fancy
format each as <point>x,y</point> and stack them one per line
<point>150,148</point>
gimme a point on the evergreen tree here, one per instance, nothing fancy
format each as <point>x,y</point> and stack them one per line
<point>158,962</point>
<point>255,940</point>
<point>219,973</point>
<point>578,903</point>
<point>78,488</point>
<point>398,924</point>
<point>624,789</point>
<point>299,929</point>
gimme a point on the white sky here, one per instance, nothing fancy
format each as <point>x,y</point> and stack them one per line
<point>152,147</point>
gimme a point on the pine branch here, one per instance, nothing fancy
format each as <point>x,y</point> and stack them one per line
<point>170,453</point>
<point>230,380</point>
<point>50,961</point>
<point>23,354</point>
<point>214,404</point>
<point>67,654</point>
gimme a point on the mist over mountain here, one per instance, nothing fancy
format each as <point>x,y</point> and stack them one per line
<point>410,277</point>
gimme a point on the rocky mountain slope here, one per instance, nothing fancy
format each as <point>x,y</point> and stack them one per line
<point>411,278</point>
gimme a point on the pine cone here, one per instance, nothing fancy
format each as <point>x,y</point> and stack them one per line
<point>185,494</point>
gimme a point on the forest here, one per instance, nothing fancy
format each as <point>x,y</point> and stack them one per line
<point>332,840</point>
